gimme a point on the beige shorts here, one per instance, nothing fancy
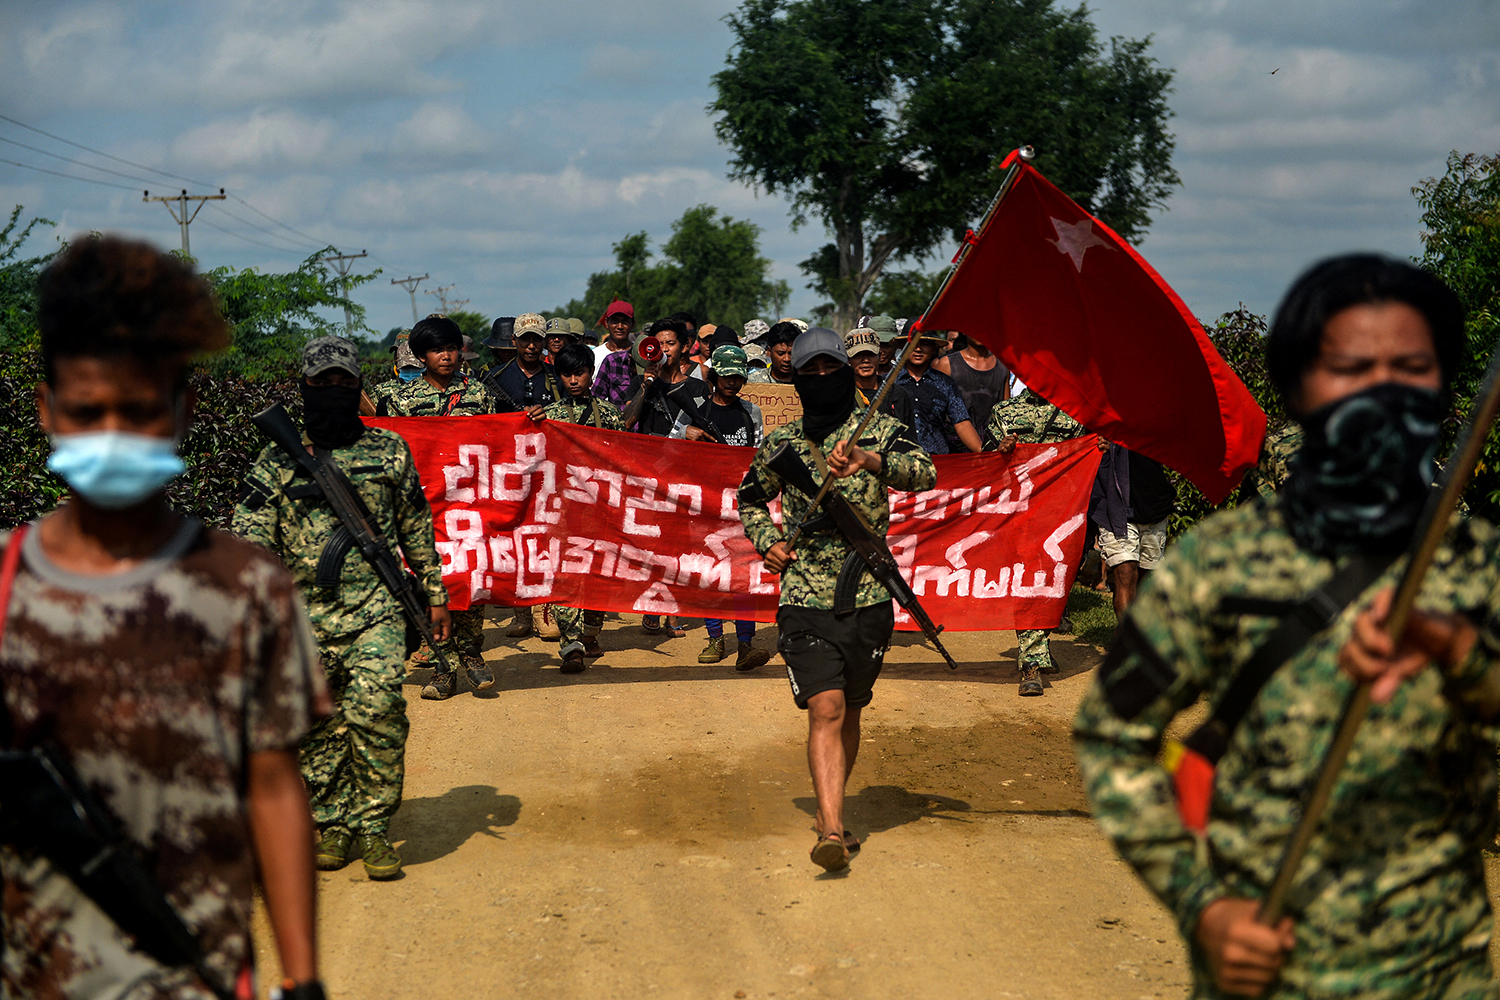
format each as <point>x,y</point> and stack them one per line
<point>1143,543</point>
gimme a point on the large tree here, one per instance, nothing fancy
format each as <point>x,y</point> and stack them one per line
<point>713,269</point>
<point>883,119</point>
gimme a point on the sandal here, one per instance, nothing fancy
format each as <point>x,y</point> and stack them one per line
<point>850,844</point>
<point>829,853</point>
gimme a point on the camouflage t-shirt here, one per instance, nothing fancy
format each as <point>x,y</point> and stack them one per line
<point>575,411</point>
<point>1393,883</point>
<point>809,580</point>
<point>1032,420</point>
<point>464,397</point>
<point>157,683</point>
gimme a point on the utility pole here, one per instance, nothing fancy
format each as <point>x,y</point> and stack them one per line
<point>344,262</point>
<point>447,304</point>
<point>410,284</point>
<point>180,212</point>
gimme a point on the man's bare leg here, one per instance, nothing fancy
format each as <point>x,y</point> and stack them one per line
<point>1126,578</point>
<point>832,747</point>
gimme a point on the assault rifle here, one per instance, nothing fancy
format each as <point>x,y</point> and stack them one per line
<point>45,807</point>
<point>694,415</point>
<point>355,517</point>
<point>870,553</point>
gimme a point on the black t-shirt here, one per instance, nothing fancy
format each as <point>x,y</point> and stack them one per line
<point>541,389</point>
<point>1151,493</point>
<point>664,402</point>
<point>732,422</point>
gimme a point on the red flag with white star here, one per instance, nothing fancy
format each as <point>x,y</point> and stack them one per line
<point>1080,317</point>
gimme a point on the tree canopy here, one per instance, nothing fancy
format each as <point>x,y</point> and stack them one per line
<point>713,269</point>
<point>883,119</point>
<point>1461,245</point>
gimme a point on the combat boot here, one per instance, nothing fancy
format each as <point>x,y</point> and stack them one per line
<point>442,686</point>
<point>333,850</point>
<point>381,860</point>
<point>1031,680</point>
<point>572,658</point>
<point>543,623</point>
<point>749,657</point>
<point>520,627</point>
<point>480,675</point>
<point>713,652</point>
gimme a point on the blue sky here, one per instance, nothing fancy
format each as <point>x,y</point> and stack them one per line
<point>503,147</point>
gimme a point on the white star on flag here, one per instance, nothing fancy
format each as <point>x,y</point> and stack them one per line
<point>1075,238</point>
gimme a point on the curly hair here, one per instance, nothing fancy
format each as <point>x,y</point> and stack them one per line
<point>108,296</point>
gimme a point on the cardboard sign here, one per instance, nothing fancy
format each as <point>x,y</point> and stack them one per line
<point>778,403</point>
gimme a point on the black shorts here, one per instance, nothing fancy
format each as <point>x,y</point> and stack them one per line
<point>828,652</point>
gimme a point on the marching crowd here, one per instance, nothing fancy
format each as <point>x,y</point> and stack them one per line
<point>186,711</point>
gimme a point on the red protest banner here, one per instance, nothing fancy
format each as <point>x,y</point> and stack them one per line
<point>563,514</point>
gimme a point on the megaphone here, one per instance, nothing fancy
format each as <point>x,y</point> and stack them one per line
<point>646,351</point>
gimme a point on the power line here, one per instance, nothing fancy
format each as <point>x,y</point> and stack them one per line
<point>71,177</point>
<point>240,236</point>
<point>80,163</point>
<point>269,232</point>
<point>97,152</point>
<point>283,225</point>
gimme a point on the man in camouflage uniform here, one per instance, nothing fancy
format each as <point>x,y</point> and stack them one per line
<point>832,660</point>
<point>1390,900</point>
<point>1027,418</point>
<point>406,368</point>
<point>353,763</point>
<point>444,390</point>
<point>578,630</point>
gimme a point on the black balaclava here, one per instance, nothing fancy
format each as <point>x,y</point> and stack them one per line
<point>331,415</point>
<point>827,400</point>
<point>1361,478</point>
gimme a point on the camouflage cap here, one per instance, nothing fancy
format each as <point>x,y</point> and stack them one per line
<point>529,323</point>
<point>755,328</point>
<point>861,341</point>
<point>405,358</point>
<point>329,352</point>
<point>730,360</point>
<point>798,323</point>
<point>558,328</point>
<point>755,356</point>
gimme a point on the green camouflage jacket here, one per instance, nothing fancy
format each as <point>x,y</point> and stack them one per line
<point>464,397</point>
<point>1027,416</point>
<point>809,581</point>
<point>381,390</point>
<point>1393,884</point>
<point>580,412</point>
<point>284,512</point>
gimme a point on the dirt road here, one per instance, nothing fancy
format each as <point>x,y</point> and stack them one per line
<point>642,830</point>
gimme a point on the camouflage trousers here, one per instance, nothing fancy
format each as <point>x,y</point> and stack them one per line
<point>354,761</point>
<point>575,623</point>
<point>1034,650</point>
<point>468,633</point>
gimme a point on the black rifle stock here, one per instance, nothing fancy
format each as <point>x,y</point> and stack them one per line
<point>275,424</point>
<point>868,546</point>
<point>696,418</point>
<point>45,807</point>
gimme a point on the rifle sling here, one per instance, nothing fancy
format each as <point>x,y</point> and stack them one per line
<point>1302,620</point>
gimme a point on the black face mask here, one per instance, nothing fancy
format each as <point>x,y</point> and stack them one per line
<point>827,400</point>
<point>331,415</point>
<point>1360,481</point>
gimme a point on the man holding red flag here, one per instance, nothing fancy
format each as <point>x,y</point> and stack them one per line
<point>1080,317</point>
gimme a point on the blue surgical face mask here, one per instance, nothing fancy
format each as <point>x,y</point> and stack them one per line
<point>409,374</point>
<point>114,469</point>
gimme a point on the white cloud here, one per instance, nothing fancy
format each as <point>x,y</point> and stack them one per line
<point>265,140</point>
